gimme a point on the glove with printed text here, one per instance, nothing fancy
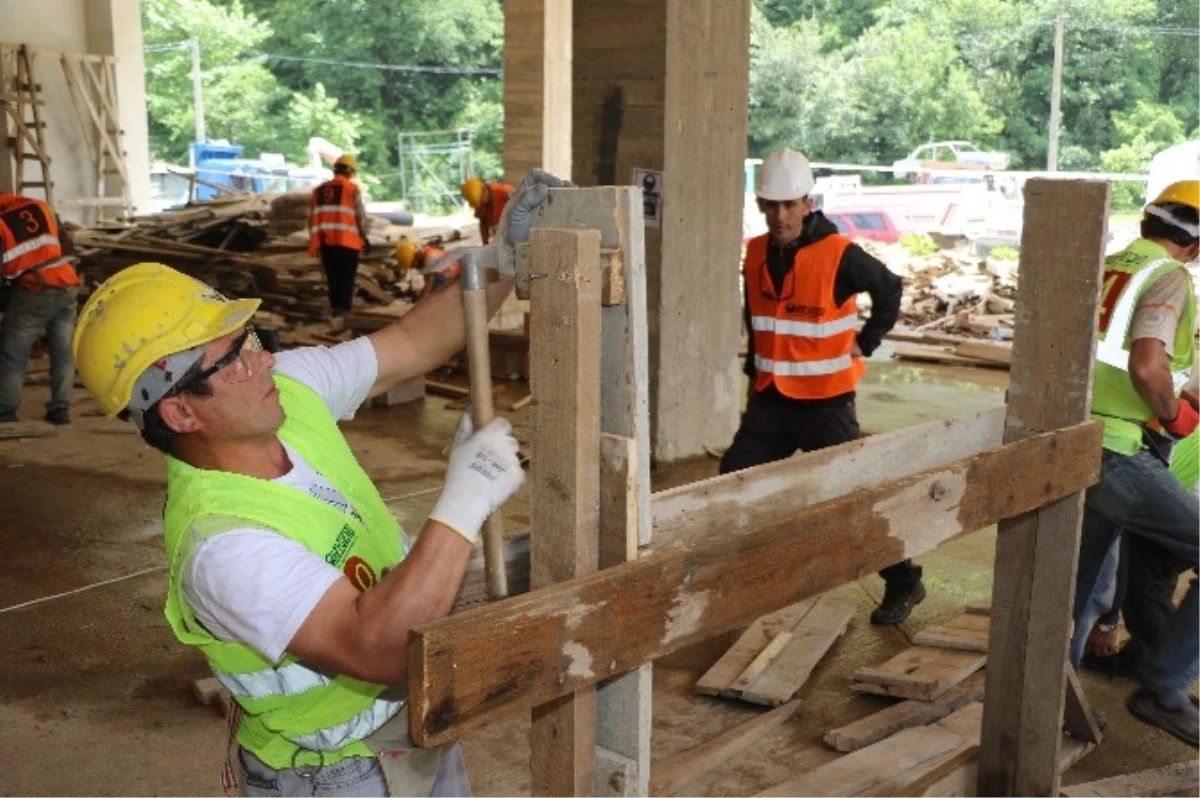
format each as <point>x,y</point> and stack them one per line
<point>483,473</point>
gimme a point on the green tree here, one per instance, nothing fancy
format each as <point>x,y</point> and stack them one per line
<point>243,101</point>
<point>1142,132</point>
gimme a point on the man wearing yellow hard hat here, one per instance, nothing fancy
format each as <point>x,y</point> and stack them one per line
<point>488,201</point>
<point>1145,352</point>
<point>286,568</point>
<point>438,269</point>
<point>337,232</point>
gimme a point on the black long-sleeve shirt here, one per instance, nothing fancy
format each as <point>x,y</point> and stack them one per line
<point>857,273</point>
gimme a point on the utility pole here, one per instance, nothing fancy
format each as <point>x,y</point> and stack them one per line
<point>1060,21</point>
<point>197,92</point>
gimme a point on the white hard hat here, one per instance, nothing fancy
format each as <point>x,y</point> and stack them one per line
<point>785,175</point>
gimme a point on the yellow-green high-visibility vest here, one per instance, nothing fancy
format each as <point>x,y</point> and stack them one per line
<point>293,715</point>
<point>1115,400</point>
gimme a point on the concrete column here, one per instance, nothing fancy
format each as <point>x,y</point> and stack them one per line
<point>114,28</point>
<point>537,87</point>
<point>663,85</point>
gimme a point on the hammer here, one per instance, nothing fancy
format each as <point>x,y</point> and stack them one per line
<point>479,360</point>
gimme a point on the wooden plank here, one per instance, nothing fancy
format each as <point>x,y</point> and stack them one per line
<point>1062,251</point>
<point>18,430</point>
<point>565,479</point>
<point>911,784</point>
<point>811,638</point>
<point>905,715</point>
<point>967,632</point>
<point>623,703</point>
<point>939,354</point>
<point>749,499</point>
<point>978,608</point>
<point>920,672</point>
<point>671,774</point>
<point>675,598</point>
<point>760,663</point>
<point>858,772</point>
<point>1181,778</point>
<point>720,677</point>
<point>985,350</point>
<point>1069,753</point>
<point>1078,719</point>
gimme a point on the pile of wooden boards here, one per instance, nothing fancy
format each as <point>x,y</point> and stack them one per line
<point>237,245</point>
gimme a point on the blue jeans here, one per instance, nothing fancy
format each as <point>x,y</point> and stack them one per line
<point>356,776</point>
<point>1137,494</point>
<point>1095,579</point>
<point>29,314</point>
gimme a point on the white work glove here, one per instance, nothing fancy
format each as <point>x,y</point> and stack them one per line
<point>483,473</point>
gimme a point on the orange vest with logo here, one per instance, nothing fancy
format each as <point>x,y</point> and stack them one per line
<point>490,212</point>
<point>32,251</point>
<point>802,339</point>
<point>332,219</point>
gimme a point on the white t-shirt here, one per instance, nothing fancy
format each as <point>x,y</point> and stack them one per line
<point>250,584</point>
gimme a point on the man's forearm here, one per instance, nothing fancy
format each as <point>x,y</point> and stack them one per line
<point>1150,370</point>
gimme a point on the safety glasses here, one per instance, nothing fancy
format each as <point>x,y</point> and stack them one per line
<point>232,367</point>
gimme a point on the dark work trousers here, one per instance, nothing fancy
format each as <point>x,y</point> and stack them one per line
<point>775,427</point>
<point>1150,585</point>
<point>341,266</point>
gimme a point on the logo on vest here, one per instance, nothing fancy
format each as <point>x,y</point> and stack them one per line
<point>807,311</point>
<point>341,546</point>
<point>359,573</point>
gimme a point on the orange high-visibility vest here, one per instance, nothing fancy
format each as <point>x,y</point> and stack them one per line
<point>490,212</point>
<point>332,218</point>
<point>427,256</point>
<point>32,251</point>
<point>802,340</point>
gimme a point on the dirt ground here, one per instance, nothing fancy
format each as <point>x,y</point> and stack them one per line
<point>96,694</point>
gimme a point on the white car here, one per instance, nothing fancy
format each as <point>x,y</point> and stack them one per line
<point>939,155</point>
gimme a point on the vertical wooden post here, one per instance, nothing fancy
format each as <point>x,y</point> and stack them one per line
<point>565,476</point>
<point>623,702</point>
<point>1062,249</point>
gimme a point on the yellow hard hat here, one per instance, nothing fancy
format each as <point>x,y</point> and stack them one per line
<point>472,191</point>
<point>1182,192</point>
<point>140,316</point>
<point>346,160</point>
<point>405,254</point>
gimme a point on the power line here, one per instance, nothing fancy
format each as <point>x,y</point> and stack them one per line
<point>436,70</point>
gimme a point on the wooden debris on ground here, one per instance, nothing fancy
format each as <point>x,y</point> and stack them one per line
<point>967,632</point>
<point>670,774</point>
<point>1182,778</point>
<point>904,715</point>
<point>19,430</point>
<point>920,672</point>
<point>775,656</point>
<point>211,692</point>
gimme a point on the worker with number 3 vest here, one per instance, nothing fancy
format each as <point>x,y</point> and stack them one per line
<point>806,352</point>
<point>337,231</point>
<point>40,288</point>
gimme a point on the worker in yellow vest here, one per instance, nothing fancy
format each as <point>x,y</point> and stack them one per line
<point>1144,353</point>
<point>806,352</point>
<point>41,288</point>
<point>337,232</point>
<point>286,569</point>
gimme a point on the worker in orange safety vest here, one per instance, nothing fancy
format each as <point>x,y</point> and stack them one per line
<point>337,232</point>
<point>806,350</point>
<point>40,297</point>
<point>488,200</point>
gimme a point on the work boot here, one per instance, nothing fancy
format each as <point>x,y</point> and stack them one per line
<point>59,415</point>
<point>1180,722</point>
<point>898,601</point>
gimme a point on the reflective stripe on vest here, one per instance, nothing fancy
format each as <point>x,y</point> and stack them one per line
<point>26,247</point>
<point>1111,349</point>
<point>802,338</point>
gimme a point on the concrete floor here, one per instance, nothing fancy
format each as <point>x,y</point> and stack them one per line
<point>96,699</point>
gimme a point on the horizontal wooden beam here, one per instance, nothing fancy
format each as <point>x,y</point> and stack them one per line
<point>472,667</point>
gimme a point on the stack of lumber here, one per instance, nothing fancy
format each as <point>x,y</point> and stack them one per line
<point>253,246</point>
